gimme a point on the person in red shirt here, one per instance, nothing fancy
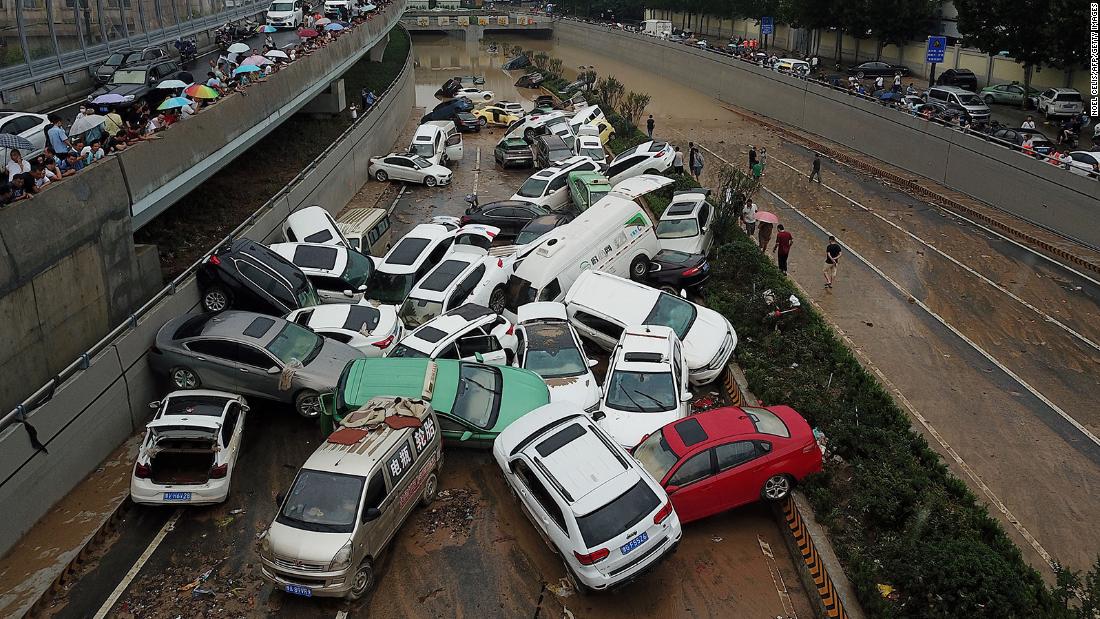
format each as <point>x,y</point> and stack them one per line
<point>783,242</point>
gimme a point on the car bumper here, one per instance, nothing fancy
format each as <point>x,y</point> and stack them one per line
<point>146,492</point>
<point>320,584</point>
<point>594,579</point>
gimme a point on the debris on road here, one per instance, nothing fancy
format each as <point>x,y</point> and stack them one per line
<point>454,510</point>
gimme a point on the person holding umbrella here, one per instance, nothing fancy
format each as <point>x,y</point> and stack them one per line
<point>764,235</point>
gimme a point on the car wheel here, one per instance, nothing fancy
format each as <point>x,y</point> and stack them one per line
<point>859,75</point>
<point>363,581</point>
<point>776,488</point>
<point>185,378</point>
<point>429,181</point>
<point>638,268</point>
<point>496,299</point>
<point>529,135</point>
<point>430,486</point>
<point>482,121</point>
<point>579,587</point>
<point>487,97</point>
<point>215,299</point>
<point>381,176</point>
<point>308,404</point>
<point>988,99</point>
<point>670,289</point>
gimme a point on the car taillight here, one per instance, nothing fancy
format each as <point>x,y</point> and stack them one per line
<point>142,471</point>
<point>465,219</point>
<point>214,260</point>
<point>593,557</point>
<point>511,330</point>
<point>219,472</point>
<point>383,343</point>
<point>692,271</point>
<point>665,512</point>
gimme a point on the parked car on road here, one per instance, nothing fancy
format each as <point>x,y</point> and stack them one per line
<point>407,261</point>
<point>1040,143</point>
<point>30,127</point>
<point>250,354</point>
<point>959,99</point>
<point>646,158</point>
<point>549,346</point>
<point>408,167</point>
<point>598,509</point>
<point>249,276</point>
<point>190,449</point>
<point>1060,102</point>
<point>548,187</point>
<point>138,81</point>
<point>1009,94</point>
<point>1085,163</point>
<point>685,223</point>
<point>513,152</point>
<point>123,57</point>
<point>338,274</point>
<point>726,457</point>
<point>368,327</point>
<point>961,78</point>
<point>285,14</point>
<point>313,224</point>
<point>876,69</point>
<point>469,332</point>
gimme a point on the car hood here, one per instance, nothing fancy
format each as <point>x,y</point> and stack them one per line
<point>279,14</point>
<point>523,391</point>
<point>437,170</point>
<point>628,428</point>
<point>293,544</point>
<point>324,370</point>
<point>705,337</point>
<point>688,245</point>
<point>580,390</point>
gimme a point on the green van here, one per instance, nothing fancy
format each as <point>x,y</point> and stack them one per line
<point>586,188</point>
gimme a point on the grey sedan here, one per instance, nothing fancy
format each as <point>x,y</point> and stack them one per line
<point>251,354</point>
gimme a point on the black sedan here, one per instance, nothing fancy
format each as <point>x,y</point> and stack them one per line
<point>467,122</point>
<point>876,69</point>
<point>247,275</point>
<point>540,226</point>
<point>508,215</point>
<point>673,271</point>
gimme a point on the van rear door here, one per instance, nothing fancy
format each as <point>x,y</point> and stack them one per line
<point>638,186</point>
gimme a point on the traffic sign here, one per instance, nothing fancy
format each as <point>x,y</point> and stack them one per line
<point>936,48</point>
<point>767,25</point>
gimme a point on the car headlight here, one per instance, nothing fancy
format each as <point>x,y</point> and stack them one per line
<point>342,560</point>
<point>265,545</point>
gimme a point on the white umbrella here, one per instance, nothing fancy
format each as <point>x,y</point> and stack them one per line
<point>275,53</point>
<point>86,122</point>
<point>172,84</point>
<point>237,48</point>
<point>259,61</point>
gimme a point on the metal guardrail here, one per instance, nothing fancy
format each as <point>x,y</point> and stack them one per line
<point>45,393</point>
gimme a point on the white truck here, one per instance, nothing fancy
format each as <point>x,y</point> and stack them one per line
<point>661,28</point>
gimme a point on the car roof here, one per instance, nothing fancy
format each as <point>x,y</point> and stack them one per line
<point>346,316</point>
<point>264,254</point>
<point>316,258</point>
<point>258,328</point>
<point>361,456</point>
<point>398,257</point>
<point>363,379</point>
<point>450,323</point>
<point>683,206</point>
<point>593,284</point>
<point>540,311</point>
<point>708,426</point>
<point>524,203</point>
<point>645,349</point>
<point>443,276</point>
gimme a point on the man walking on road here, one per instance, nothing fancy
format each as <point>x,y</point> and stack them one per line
<point>678,161</point>
<point>783,242</point>
<point>816,171</point>
<point>748,217</point>
<point>649,126</point>
<point>832,257</point>
<point>752,156</point>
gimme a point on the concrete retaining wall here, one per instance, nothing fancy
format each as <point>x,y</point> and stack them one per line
<point>1022,186</point>
<point>96,410</point>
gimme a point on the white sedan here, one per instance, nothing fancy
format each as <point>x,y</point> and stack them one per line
<point>475,94</point>
<point>371,328</point>
<point>549,346</point>
<point>1084,163</point>
<point>190,448</point>
<point>408,167</point>
<point>29,126</point>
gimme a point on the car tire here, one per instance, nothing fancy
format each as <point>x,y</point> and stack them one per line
<point>496,299</point>
<point>430,486</point>
<point>638,268</point>
<point>579,587</point>
<point>184,378</point>
<point>381,176</point>
<point>988,99</point>
<point>670,289</point>
<point>482,121</point>
<point>529,135</point>
<point>859,75</point>
<point>776,488</point>
<point>307,403</point>
<point>429,181</point>
<point>362,581</point>
<point>216,299</point>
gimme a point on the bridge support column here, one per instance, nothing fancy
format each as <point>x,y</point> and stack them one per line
<point>329,102</point>
<point>376,52</point>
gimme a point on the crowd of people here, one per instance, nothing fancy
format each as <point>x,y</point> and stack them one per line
<point>123,126</point>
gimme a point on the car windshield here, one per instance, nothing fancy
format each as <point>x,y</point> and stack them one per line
<point>672,312</point>
<point>767,422</point>
<point>970,100</point>
<point>322,501</point>
<point>526,236</point>
<point>282,7</point>
<point>406,351</point>
<point>307,296</point>
<point>114,60</point>
<point>1068,96</point>
<point>533,187</point>
<point>390,288</point>
<point>596,154</point>
<point>641,392</point>
<point>359,269</point>
<point>295,343</point>
<point>552,352</point>
<point>478,399</point>
<point>655,455</point>
<point>619,515</point>
<point>128,76</point>
<point>677,228</point>
<point>415,312</point>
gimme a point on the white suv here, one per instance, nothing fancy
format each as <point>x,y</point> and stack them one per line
<point>469,332</point>
<point>1060,102</point>
<point>685,224</point>
<point>647,158</point>
<point>646,386</point>
<point>408,261</point>
<point>593,502</point>
<point>550,187</point>
<point>339,274</point>
<point>550,347</point>
<point>462,277</point>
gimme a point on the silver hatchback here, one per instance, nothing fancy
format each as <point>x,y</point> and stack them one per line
<point>251,354</point>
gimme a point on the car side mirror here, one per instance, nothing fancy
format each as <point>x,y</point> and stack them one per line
<point>686,396</point>
<point>598,415</point>
<point>593,363</point>
<point>371,513</point>
<point>279,498</point>
<point>155,404</point>
<point>480,358</point>
<point>467,435</point>
<point>273,369</point>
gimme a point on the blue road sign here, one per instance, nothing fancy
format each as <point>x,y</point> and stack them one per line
<point>767,25</point>
<point>936,47</point>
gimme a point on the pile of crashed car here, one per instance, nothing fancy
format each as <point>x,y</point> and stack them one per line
<point>477,331</point>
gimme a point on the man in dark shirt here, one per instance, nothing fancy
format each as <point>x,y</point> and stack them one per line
<point>783,242</point>
<point>816,171</point>
<point>832,257</point>
<point>649,126</point>
<point>752,156</point>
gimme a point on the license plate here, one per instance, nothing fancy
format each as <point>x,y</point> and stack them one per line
<point>177,496</point>
<point>634,543</point>
<point>299,590</point>
<point>706,267</point>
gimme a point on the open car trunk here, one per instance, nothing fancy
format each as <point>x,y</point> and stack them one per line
<point>182,457</point>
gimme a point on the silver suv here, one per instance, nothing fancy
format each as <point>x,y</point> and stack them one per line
<point>1060,102</point>
<point>960,99</point>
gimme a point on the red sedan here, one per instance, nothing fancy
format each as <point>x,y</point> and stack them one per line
<point>727,457</point>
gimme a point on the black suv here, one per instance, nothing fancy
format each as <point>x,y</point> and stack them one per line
<point>247,275</point>
<point>550,149</point>
<point>138,81</point>
<point>124,57</point>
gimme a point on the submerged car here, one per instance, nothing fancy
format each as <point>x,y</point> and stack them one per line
<point>549,346</point>
<point>249,276</point>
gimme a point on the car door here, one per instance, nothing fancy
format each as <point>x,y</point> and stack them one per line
<point>692,486</point>
<point>557,193</point>
<point>253,371</point>
<point>454,146</point>
<point>214,361</point>
<point>540,506</point>
<point>476,342</point>
<point>371,535</point>
<point>705,228</point>
<point>603,332</point>
<point>397,168</point>
<point>742,470</point>
<point>232,429</point>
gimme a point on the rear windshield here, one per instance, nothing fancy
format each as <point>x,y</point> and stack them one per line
<point>415,312</point>
<point>390,288</point>
<point>767,422</point>
<point>552,352</point>
<point>407,251</point>
<point>655,455</point>
<point>1068,96</point>
<point>677,228</point>
<point>533,187</point>
<point>674,313</point>
<point>206,405</point>
<point>619,515</point>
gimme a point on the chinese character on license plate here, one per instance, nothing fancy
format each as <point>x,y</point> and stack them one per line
<point>634,543</point>
<point>299,590</point>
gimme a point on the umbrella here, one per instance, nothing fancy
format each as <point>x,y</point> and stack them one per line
<point>369,7</point>
<point>342,23</point>
<point>8,140</point>
<point>108,98</point>
<point>275,53</point>
<point>199,91</point>
<point>322,22</point>
<point>259,61</point>
<point>766,217</point>
<point>334,27</point>
<point>247,68</point>
<point>308,32</point>
<point>265,29</point>
<point>237,48</point>
<point>174,102</point>
<point>85,123</point>
<point>171,85</point>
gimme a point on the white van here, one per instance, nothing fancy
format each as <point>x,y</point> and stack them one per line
<point>615,235</point>
<point>437,141</point>
<point>367,229</point>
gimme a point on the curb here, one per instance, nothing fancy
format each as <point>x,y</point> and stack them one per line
<point>812,570</point>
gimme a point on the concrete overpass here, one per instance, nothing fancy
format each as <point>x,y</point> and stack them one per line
<point>474,24</point>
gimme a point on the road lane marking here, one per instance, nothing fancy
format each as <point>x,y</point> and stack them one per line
<point>777,579</point>
<point>341,614</point>
<point>140,563</point>
<point>477,170</point>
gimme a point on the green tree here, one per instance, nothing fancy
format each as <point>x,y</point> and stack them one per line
<point>901,21</point>
<point>1015,26</point>
<point>1065,34</point>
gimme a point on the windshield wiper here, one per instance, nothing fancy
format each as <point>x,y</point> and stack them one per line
<point>633,401</point>
<point>658,402</point>
<point>492,391</point>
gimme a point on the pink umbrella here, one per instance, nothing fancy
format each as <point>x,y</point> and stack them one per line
<point>766,217</point>
<point>257,60</point>
<point>307,32</point>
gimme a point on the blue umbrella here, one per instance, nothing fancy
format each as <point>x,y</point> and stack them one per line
<point>334,26</point>
<point>108,98</point>
<point>268,29</point>
<point>174,102</point>
<point>248,68</point>
<point>8,140</point>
